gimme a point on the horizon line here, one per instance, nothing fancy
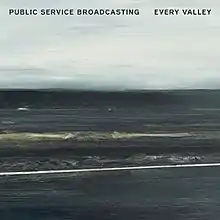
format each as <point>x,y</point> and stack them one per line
<point>102,90</point>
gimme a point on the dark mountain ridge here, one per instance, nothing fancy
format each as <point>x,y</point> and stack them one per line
<point>69,98</point>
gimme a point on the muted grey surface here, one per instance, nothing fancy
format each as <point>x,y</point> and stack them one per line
<point>150,194</point>
<point>201,147</point>
<point>191,193</point>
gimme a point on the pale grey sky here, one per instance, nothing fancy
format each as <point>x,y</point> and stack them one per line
<point>114,52</point>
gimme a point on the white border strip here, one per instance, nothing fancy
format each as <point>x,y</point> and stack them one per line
<point>108,169</point>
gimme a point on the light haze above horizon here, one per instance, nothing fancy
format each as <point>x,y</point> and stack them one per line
<point>110,52</point>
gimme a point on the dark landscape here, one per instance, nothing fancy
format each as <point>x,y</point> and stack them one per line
<point>64,129</point>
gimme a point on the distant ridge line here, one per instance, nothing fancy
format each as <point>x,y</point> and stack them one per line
<point>32,98</point>
<point>103,90</point>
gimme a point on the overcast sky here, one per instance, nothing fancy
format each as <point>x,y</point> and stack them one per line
<point>114,52</point>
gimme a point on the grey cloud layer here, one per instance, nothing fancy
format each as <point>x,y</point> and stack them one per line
<point>145,52</point>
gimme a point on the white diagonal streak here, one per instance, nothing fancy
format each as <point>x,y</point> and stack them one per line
<point>108,169</point>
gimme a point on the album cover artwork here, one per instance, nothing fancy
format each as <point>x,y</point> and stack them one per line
<point>109,109</point>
